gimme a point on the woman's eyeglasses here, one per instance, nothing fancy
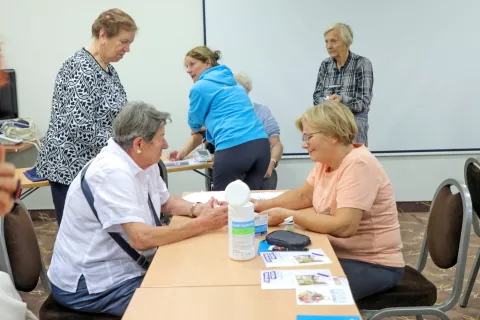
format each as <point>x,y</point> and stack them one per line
<point>306,137</point>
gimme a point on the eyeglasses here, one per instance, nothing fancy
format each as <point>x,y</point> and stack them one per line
<point>306,137</point>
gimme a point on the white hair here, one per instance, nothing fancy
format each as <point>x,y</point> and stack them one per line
<point>244,80</point>
<point>346,33</point>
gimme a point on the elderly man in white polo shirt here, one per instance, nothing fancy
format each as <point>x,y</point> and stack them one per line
<point>111,223</point>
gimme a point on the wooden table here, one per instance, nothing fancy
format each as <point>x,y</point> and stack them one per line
<point>33,186</point>
<point>204,261</point>
<point>223,303</point>
<point>196,279</point>
<point>18,147</point>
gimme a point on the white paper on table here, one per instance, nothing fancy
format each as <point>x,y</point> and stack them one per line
<point>220,196</point>
<point>205,196</point>
<point>285,279</point>
<point>335,292</point>
<point>294,258</point>
<point>190,161</point>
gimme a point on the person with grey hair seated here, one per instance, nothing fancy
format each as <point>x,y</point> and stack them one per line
<point>272,130</point>
<point>102,251</point>
<point>345,78</point>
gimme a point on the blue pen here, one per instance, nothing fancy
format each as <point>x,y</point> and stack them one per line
<point>317,254</point>
<point>323,275</point>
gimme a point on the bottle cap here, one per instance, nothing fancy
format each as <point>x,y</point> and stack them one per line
<point>289,220</point>
<point>237,193</point>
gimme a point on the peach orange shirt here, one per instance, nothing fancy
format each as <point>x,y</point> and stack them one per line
<point>360,182</point>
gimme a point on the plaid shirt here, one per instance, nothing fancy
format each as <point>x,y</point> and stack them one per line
<point>353,82</point>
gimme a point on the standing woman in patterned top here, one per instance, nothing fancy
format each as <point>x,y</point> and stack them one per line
<point>86,98</point>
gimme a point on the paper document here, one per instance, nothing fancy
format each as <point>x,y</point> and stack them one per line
<point>179,163</point>
<point>220,196</point>
<point>294,258</point>
<point>313,290</point>
<point>286,279</point>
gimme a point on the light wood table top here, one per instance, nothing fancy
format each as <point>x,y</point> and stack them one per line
<point>17,148</point>
<point>227,302</point>
<point>27,183</point>
<point>204,261</point>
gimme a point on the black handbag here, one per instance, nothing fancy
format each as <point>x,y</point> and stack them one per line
<point>288,239</point>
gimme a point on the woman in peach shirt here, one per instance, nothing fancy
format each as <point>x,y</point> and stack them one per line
<point>347,196</point>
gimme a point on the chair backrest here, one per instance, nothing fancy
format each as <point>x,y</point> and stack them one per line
<point>448,233</point>
<point>20,253</point>
<point>472,180</point>
<point>163,172</point>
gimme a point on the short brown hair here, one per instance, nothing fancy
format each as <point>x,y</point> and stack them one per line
<point>332,119</point>
<point>204,54</point>
<point>112,21</point>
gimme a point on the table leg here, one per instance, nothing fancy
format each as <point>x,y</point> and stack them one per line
<point>27,193</point>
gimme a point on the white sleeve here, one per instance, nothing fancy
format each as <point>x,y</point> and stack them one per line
<point>117,200</point>
<point>11,305</point>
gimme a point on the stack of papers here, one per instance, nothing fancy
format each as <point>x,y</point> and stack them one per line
<point>294,258</point>
<point>312,287</point>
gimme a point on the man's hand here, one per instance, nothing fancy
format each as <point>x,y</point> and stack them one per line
<point>275,216</point>
<point>335,98</point>
<point>205,208</point>
<point>8,184</point>
<point>214,218</point>
<point>176,155</point>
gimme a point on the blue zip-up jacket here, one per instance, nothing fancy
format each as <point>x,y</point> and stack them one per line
<point>220,104</point>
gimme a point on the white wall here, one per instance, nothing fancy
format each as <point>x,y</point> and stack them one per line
<point>280,43</point>
<point>153,71</point>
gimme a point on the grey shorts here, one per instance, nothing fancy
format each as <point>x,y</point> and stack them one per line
<point>362,135</point>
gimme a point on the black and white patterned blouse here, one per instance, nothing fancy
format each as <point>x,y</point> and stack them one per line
<point>86,99</point>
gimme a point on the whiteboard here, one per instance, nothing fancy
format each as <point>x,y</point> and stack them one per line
<point>423,54</point>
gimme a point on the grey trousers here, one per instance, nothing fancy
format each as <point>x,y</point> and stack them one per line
<point>362,135</point>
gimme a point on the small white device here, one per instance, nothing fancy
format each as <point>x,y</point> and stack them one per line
<point>4,140</point>
<point>202,155</point>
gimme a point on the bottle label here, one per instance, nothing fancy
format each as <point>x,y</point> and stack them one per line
<point>243,228</point>
<point>242,239</point>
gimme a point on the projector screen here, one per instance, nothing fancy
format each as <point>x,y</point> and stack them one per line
<point>423,53</point>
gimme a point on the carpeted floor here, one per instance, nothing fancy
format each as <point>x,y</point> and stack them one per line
<point>412,228</point>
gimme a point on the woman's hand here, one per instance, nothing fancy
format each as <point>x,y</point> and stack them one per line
<point>276,216</point>
<point>176,155</point>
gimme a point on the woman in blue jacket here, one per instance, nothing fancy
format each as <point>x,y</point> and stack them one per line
<point>220,104</point>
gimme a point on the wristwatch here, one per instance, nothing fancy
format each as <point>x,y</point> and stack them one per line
<point>191,215</point>
<point>275,162</point>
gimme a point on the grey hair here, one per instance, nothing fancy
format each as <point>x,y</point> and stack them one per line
<point>346,33</point>
<point>244,80</point>
<point>138,119</point>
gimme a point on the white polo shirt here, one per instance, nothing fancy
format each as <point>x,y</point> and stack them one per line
<point>83,246</point>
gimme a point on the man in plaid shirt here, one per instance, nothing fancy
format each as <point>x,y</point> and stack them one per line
<point>346,78</point>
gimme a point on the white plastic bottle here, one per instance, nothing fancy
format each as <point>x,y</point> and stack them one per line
<point>241,221</point>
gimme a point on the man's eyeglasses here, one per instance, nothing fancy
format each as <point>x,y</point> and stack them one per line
<point>306,137</point>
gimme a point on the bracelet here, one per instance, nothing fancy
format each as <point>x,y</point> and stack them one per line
<point>275,162</point>
<point>191,215</point>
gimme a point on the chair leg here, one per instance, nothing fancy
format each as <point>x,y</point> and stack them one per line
<point>471,280</point>
<point>406,311</point>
